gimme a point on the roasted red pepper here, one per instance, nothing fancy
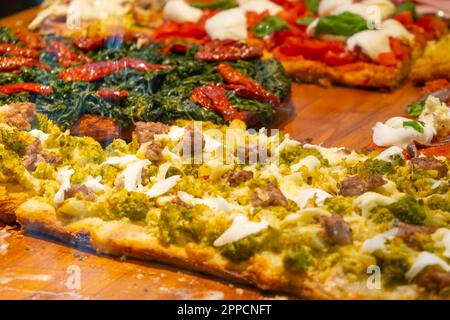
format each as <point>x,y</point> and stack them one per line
<point>88,43</point>
<point>12,88</point>
<point>33,40</point>
<point>98,70</point>
<point>226,50</point>
<point>66,57</point>
<point>15,63</point>
<point>112,94</point>
<point>245,86</point>
<point>214,98</point>
<point>15,50</point>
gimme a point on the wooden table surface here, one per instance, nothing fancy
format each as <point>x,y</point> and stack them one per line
<point>34,268</point>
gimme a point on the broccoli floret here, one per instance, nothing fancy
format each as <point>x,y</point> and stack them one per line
<point>373,167</point>
<point>437,202</point>
<point>46,125</point>
<point>408,210</point>
<point>12,169</point>
<point>242,249</point>
<point>44,171</point>
<point>381,215</point>
<point>133,205</point>
<point>294,154</point>
<point>297,260</point>
<point>339,205</point>
<point>14,139</point>
<point>394,265</point>
<point>117,148</point>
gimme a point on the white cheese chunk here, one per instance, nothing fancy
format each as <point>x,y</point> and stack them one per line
<point>423,260</point>
<point>122,161</point>
<point>39,135</point>
<point>163,186</point>
<point>132,175</point>
<point>370,200</point>
<point>371,42</point>
<point>94,184</point>
<point>175,134</point>
<point>259,6</point>
<point>436,115</point>
<point>333,155</point>
<point>393,28</point>
<point>217,204</point>
<point>442,240</point>
<point>386,7</point>
<point>328,6</point>
<point>227,24</point>
<point>389,153</point>
<point>310,162</point>
<point>240,228</point>
<point>302,196</point>
<point>63,180</point>
<point>379,241</point>
<point>180,11</point>
<point>394,133</point>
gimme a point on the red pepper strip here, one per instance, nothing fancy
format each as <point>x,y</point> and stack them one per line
<point>437,151</point>
<point>214,98</point>
<point>32,39</point>
<point>88,43</point>
<point>15,63</point>
<point>15,50</point>
<point>66,57</point>
<point>246,86</point>
<point>98,70</point>
<point>12,88</point>
<point>112,94</point>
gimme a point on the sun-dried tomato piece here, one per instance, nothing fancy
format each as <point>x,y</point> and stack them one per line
<point>140,65</point>
<point>88,43</point>
<point>33,40</point>
<point>227,50</point>
<point>97,127</point>
<point>66,57</point>
<point>245,86</point>
<point>98,70</point>
<point>214,98</point>
<point>112,94</point>
<point>15,63</point>
<point>32,87</point>
<point>15,50</point>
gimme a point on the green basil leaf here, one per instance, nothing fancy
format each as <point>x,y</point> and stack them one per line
<point>416,125</point>
<point>217,5</point>
<point>407,6</point>
<point>312,5</point>
<point>304,21</point>
<point>415,108</point>
<point>269,25</point>
<point>344,24</point>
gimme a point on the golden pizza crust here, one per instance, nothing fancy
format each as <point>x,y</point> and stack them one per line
<point>263,271</point>
<point>10,200</point>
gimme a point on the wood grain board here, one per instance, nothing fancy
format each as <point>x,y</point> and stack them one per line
<point>34,268</point>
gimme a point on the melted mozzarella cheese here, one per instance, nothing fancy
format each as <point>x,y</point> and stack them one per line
<point>227,24</point>
<point>175,134</point>
<point>216,203</point>
<point>328,6</point>
<point>310,162</point>
<point>389,153</point>
<point>364,8</point>
<point>121,161</point>
<point>424,260</point>
<point>302,196</point>
<point>379,241</point>
<point>370,200</point>
<point>180,11</point>
<point>333,155</point>
<point>240,228</point>
<point>132,175</point>
<point>436,115</point>
<point>94,184</point>
<point>393,133</point>
<point>259,6</point>
<point>63,179</point>
<point>442,240</point>
<point>39,134</point>
<point>163,186</point>
<point>393,28</point>
<point>371,42</point>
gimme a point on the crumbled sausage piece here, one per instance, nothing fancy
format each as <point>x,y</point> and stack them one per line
<point>270,195</point>
<point>430,163</point>
<point>145,131</point>
<point>354,186</point>
<point>238,176</point>
<point>337,231</point>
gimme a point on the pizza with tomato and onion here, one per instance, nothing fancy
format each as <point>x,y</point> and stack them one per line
<point>370,43</point>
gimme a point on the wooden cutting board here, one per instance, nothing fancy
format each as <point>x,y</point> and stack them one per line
<point>33,268</point>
